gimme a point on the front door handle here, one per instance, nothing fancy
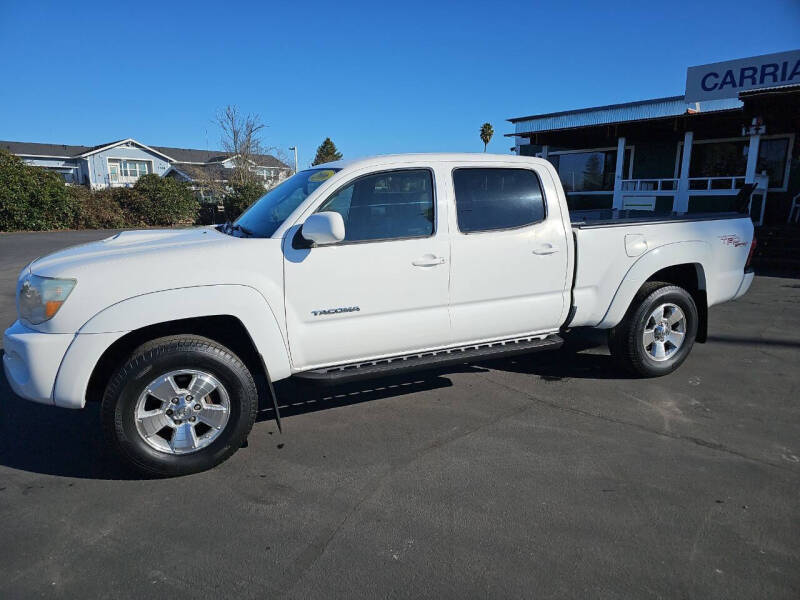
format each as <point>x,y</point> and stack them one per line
<point>545,249</point>
<point>429,260</point>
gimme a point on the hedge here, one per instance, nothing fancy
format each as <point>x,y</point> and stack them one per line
<point>240,198</point>
<point>32,198</point>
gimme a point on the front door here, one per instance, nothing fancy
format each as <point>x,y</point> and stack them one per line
<point>383,290</point>
<point>510,256</point>
<point>113,172</point>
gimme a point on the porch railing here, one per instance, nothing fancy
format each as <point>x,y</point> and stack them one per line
<point>716,185</point>
<point>642,193</point>
<point>650,186</point>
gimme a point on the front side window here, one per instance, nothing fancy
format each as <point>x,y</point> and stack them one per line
<point>385,206</point>
<point>491,199</point>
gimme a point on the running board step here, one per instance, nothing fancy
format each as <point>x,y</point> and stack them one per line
<point>431,360</point>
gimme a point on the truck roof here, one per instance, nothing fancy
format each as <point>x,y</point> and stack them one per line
<point>383,159</point>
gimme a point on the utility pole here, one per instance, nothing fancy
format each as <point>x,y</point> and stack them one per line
<point>295,157</point>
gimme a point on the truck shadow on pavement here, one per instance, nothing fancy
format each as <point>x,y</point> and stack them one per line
<point>58,441</point>
<point>569,362</point>
<point>55,441</point>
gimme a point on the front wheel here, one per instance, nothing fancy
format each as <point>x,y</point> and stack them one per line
<point>658,331</point>
<point>179,405</point>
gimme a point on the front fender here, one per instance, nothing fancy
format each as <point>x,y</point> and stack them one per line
<point>678,253</point>
<point>240,301</point>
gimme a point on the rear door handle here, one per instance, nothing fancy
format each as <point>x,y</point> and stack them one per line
<point>429,260</point>
<point>545,249</point>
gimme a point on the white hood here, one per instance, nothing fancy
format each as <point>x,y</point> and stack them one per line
<point>133,263</point>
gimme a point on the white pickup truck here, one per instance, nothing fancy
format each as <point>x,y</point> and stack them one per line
<point>354,269</point>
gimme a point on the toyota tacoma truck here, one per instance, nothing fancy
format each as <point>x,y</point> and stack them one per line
<point>350,270</point>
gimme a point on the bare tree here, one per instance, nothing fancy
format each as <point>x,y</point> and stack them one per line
<point>241,138</point>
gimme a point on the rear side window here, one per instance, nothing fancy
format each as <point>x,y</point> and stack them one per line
<point>491,199</point>
<point>385,206</point>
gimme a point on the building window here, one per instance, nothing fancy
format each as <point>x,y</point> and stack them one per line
<point>719,159</point>
<point>728,158</point>
<point>772,156</point>
<point>590,171</point>
<point>126,170</point>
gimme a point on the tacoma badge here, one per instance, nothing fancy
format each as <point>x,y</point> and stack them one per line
<point>333,311</point>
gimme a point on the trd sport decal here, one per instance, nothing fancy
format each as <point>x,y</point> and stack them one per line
<point>333,311</point>
<point>732,240</point>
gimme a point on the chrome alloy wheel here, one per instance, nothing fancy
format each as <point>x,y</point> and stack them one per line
<point>664,332</point>
<point>182,411</point>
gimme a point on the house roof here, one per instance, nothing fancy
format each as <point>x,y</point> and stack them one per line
<point>205,171</point>
<point>190,155</point>
<point>656,108</point>
<point>176,155</point>
<point>127,141</point>
<point>36,149</point>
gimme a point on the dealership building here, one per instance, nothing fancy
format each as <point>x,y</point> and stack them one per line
<point>736,123</point>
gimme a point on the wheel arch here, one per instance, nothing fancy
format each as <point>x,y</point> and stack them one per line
<point>682,264</point>
<point>692,278</point>
<point>227,330</point>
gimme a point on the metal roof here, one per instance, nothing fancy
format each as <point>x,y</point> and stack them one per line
<point>619,113</point>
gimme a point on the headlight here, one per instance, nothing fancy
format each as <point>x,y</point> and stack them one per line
<point>41,297</point>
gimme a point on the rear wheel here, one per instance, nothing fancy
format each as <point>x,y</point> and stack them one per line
<point>179,405</point>
<point>658,331</point>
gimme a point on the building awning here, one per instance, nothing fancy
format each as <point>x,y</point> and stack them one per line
<point>619,113</point>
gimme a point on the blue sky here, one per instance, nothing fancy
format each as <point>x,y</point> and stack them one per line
<point>376,77</point>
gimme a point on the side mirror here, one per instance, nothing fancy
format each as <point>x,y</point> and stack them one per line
<point>323,228</point>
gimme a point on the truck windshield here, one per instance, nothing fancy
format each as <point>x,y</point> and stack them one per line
<point>264,217</point>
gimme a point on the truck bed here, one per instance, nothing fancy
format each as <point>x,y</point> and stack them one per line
<point>617,251</point>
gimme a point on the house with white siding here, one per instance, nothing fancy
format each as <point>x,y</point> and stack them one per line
<point>121,163</point>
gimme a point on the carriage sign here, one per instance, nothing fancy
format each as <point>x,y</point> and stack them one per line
<point>727,79</point>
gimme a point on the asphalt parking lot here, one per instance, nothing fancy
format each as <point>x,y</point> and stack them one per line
<point>543,476</point>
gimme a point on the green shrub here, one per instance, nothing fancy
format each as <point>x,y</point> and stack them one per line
<point>241,197</point>
<point>99,210</point>
<point>32,198</point>
<point>163,201</point>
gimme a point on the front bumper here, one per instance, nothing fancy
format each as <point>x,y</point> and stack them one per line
<point>31,361</point>
<point>52,368</point>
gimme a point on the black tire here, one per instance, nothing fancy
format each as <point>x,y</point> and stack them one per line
<point>626,339</point>
<point>165,355</point>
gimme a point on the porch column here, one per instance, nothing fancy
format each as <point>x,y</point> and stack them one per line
<point>618,174</point>
<point>752,159</point>
<point>681,202</point>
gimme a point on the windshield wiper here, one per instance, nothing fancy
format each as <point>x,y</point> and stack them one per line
<point>244,230</point>
<point>229,227</point>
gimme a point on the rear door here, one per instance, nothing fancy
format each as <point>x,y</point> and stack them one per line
<point>383,290</point>
<point>510,254</point>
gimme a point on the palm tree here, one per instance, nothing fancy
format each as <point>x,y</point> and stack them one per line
<point>486,134</point>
